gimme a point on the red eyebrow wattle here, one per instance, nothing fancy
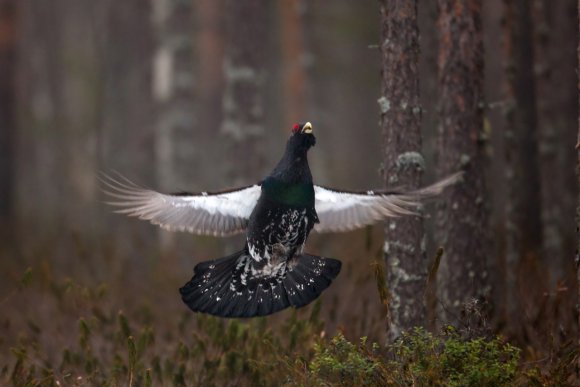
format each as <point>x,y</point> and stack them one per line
<point>295,127</point>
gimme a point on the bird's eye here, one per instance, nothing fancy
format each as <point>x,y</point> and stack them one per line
<point>295,128</point>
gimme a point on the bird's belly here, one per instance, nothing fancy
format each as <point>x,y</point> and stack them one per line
<point>280,233</point>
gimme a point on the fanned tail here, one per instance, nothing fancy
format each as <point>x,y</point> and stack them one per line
<point>233,287</point>
<point>308,276</point>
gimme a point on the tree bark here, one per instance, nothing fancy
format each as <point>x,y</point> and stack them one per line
<point>173,90</point>
<point>428,90</point>
<point>210,48</point>
<point>174,96</point>
<point>578,199</point>
<point>403,162</point>
<point>58,116</point>
<point>524,228</point>
<point>494,81</point>
<point>243,101</point>
<point>293,57</point>
<point>462,216</point>
<point>127,117</point>
<point>84,106</point>
<point>555,36</point>
<point>8,19</point>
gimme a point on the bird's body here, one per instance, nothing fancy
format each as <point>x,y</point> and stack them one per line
<point>284,214</point>
<point>276,228</point>
<point>271,271</point>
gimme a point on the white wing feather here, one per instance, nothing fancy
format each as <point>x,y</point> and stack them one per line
<point>344,211</point>
<point>218,214</point>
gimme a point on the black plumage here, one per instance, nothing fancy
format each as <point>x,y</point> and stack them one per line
<point>271,272</point>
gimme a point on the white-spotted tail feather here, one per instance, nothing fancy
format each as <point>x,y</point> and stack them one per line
<point>233,287</point>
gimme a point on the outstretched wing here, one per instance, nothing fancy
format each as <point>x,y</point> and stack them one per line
<point>345,211</point>
<point>218,214</point>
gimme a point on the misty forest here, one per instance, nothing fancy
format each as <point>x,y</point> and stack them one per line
<point>103,101</point>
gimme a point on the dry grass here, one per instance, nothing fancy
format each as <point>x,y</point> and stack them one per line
<point>71,316</point>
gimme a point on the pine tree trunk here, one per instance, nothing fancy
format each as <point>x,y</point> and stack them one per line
<point>427,20</point>
<point>7,111</point>
<point>462,216</point>
<point>492,15</point>
<point>59,114</point>
<point>173,92</point>
<point>293,55</point>
<point>127,116</point>
<point>210,30</point>
<point>83,107</point>
<point>555,25</point>
<point>524,228</point>
<point>403,162</point>
<point>243,100</point>
<point>578,199</point>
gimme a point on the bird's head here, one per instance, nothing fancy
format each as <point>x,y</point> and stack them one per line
<point>302,138</point>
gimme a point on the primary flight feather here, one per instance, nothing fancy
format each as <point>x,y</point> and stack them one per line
<point>271,272</point>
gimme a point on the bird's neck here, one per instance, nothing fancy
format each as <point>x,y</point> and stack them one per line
<point>293,168</point>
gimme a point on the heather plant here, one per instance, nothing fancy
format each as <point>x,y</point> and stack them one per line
<point>421,358</point>
<point>88,341</point>
<point>140,347</point>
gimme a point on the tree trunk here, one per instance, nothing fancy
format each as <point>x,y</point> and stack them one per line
<point>173,92</point>
<point>427,20</point>
<point>7,110</point>
<point>403,162</point>
<point>58,118</point>
<point>210,30</point>
<point>127,118</point>
<point>462,216</point>
<point>524,229</point>
<point>492,15</point>
<point>84,106</point>
<point>293,56</point>
<point>555,34</point>
<point>555,38</point>
<point>578,200</point>
<point>243,101</point>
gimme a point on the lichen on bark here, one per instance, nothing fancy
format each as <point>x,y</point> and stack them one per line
<point>403,162</point>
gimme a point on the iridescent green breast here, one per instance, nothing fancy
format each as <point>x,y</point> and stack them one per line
<point>292,194</point>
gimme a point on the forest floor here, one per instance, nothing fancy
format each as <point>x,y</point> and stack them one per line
<point>66,325</point>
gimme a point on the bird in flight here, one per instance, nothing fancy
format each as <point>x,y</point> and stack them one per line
<point>271,272</point>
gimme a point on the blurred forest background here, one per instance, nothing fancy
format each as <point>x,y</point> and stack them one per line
<point>183,95</point>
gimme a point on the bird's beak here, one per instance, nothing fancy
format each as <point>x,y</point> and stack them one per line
<point>307,128</point>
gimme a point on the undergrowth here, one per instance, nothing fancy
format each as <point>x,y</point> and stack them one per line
<point>144,347</point>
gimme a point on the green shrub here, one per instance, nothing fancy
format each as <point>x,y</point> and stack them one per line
<point>423,358</point>
<point>417,358</point>
<point>340,362</point>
